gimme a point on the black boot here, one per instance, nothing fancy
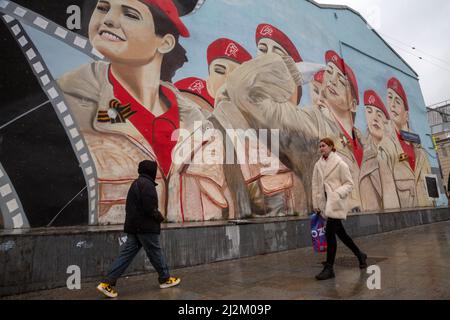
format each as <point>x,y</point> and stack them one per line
<point>362,258</point>
<point>327,273</point>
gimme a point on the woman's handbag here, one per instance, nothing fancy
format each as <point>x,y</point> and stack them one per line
<point>318,226</point>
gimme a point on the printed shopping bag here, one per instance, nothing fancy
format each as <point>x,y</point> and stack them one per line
<point>318,225</point>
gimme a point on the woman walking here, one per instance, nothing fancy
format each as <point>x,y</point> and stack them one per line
<point>332,184</point>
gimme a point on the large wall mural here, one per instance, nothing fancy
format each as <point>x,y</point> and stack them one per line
<point>231,106</point>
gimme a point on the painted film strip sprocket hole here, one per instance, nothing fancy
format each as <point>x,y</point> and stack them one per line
<point>10,205</point>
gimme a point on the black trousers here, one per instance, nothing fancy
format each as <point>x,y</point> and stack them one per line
<point>335,227</point>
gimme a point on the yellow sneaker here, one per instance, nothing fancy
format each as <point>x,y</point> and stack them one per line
<point>107,290</point>
<point>171,282</point>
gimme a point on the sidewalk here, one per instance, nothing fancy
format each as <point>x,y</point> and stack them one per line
<point>414,264</point>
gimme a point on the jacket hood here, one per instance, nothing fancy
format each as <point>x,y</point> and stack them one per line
<point>148,168</point>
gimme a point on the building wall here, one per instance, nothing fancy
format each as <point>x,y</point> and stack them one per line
<point>443,151</point>
<point>68,158</point>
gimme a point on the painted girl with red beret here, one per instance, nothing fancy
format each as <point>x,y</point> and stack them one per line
<point>270,39</point>
<point>223,56</point>
<point>128,111</point>
<point>340,91</point>
<point>376,181</point>
<point>410,160</point>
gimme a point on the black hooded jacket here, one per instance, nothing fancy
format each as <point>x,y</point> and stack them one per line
<point>142,202</point>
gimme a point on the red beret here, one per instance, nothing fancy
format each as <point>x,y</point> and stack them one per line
<point>319,76</point>
<point>227,49</point>
<point>171,11</point>
<point>333,57</point>
<point>195,86</point>
<point>270,32</point>
<point>395,85</point>
<point>371,98</point>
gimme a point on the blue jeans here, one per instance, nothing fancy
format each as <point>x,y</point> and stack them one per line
<point>151,244</point>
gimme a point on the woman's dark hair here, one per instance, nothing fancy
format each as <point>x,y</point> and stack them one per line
<point>176,58</point>
<point>329,142</point>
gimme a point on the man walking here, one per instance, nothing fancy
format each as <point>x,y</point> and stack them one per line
<point>143,227</point>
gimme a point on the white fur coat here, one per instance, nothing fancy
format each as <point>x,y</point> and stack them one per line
<point>332,184</point>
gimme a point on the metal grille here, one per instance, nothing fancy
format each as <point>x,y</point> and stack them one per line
<point>439,114</point>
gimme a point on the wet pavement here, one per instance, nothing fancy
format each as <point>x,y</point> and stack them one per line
<point>414,264</point>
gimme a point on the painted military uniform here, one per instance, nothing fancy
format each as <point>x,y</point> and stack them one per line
<point>376,183</point>
<point>119,136</point>
<point>410,167</point>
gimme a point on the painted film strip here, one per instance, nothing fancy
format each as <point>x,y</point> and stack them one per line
<point>11,208</point>
<point>50,28</point>
<point>56,98</point>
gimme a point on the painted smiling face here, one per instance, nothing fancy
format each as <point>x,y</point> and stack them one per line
<point>337,89</point>
<point>376,122</point>
<point>124,32</point>
<point>397,110</point>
